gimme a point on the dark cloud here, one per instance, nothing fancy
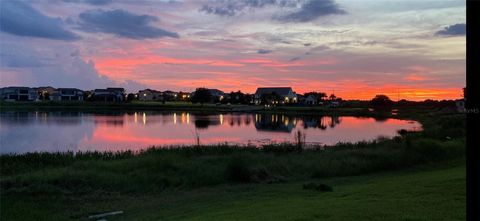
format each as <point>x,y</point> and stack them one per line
<point>453,30</point>
<point>232,7</point>
<point>316,50</point>
<point>227,10</point>
<point>91,2</point>
<point>358,43</point>
<point>264,51</point>
<point>123,24</point>
<point>98,2</point>
<point>307,44</point>
<point>295,59</point>
<point>320,48</point>
<point>312,10</point>
<point>19,18</point>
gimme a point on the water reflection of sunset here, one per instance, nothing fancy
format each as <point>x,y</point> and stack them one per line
<point>180,128</point>
<point>136,130</point>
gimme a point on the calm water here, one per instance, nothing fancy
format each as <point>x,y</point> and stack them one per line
<point>61,131</point>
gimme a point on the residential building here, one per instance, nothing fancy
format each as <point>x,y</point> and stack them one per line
<point>67,94</point>
<point>171,94</point>
<point>109,94</point>
<point>285,95</point>
<point>217,94</point>
<point>184,96</point>
<point>311,100</point>
<point>18,94</point>
<point>150,95</point>
<point>45,92</point>
<point>334,104</point>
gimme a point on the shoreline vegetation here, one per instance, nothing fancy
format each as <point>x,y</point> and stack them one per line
<point>349,109</point>
<point>198,181</point>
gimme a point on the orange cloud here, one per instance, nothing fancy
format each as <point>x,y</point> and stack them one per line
<point>414,77</point>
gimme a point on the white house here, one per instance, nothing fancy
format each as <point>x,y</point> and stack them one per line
<point>18,94</point>
<point>67,94</point>
<point>286,94</point>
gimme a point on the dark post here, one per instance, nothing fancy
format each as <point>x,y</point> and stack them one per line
<point>472,107</point>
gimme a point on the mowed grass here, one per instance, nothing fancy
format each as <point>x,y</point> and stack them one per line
<point>436,193</point>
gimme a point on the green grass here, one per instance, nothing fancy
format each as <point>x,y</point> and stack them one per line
<point>427,193</point>
<point>157,169</point>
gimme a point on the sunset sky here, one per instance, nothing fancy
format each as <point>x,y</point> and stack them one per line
<point>402,48</point>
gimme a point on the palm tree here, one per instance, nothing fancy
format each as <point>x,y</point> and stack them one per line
<point>333,97</point>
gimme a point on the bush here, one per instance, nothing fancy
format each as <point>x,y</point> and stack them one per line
<point>238,170</point>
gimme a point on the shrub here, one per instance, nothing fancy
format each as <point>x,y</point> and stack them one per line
<point>238,170</point>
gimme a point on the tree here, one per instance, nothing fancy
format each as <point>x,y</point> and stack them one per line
<point>322,96</point>
<point>319,95</point>
<point>201,95</point>
<point>333,97</point>
<point>44,96</point>
<point>465,93</point>
<point>130,97</point>
<point>381,101</point>
<point>237,98</point>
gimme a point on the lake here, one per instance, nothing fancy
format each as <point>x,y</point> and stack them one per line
<point>22,132</point>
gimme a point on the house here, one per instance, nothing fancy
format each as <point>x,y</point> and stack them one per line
<point>217,94</point>
<point>170,94</point>
<point>45,90</point>
<point>285,94</point>
<point>109,94</point>
<point>184,96</point>
<point>311,100</point>
<point>334,104</point>
<point>67,94</point>
<point>18,94</point>
<point>150,95</point>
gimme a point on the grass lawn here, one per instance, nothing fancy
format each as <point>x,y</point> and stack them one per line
<point>412,194</point>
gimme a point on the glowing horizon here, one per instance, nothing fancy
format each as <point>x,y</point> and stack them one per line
<point>405,50</point>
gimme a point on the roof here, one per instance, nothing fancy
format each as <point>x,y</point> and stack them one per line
<point>16,87</point>
<point>277,90</point>
<point>150,90</point>
<point>110,89</point>
<point>216,91</point>
<point>45,87</point>
<point>115,89</point>
<point>76,89</point>
<point>100,90</point>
